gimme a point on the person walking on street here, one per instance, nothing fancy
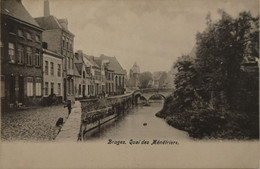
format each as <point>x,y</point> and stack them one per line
<point>69,106</point>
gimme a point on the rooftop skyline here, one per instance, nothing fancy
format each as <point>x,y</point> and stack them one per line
<point>152,33</point>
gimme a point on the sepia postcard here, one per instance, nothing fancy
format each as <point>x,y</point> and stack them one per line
<point>129,84</point>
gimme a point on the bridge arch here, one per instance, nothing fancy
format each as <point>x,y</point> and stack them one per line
<point>146,94</point>
<point>157,94</point>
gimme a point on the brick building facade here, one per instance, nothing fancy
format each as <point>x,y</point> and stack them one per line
<point>21,56</point>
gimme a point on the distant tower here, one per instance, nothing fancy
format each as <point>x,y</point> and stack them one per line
<point>135,71</point>
<point>46,8</point>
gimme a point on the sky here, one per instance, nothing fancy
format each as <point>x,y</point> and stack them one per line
<point>153,33</point>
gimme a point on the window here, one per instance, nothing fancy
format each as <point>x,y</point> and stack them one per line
<point>72,65</point>
<point>84,76</point>
<point>11,52</point>
<point>52,88</point>
<point>68,86</point>
<point>20,54</point>
<point>67,43</point>
<point>46,67</point>
<point>88,70</point>
<point>29,86</point>
<point>28,36</point>
<point>37,38</point>
<point>12,30</point>
<point>68,63</point>
<point>72,89</point>
<point>63,42</point>
<point>46,88</point>
<point>71,45</point>
<point>64,63</point>
<point>37,58</point>
<point>20,33</point>
<point>38,84</point>
<point>59,70</point>
<point>29,56</point>
<point>79,89</point>
<point>52,68</point>
<point>59,89</point>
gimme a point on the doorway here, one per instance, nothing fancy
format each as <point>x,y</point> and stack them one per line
<point>12,89</point>
<point>21,89</point>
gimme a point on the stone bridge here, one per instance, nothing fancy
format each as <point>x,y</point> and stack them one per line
<point>146,94</point>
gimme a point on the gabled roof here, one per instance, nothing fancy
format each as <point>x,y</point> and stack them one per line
<point>51,22</point>
<point>48,22</point>
<point>76,71</point>
<point>87,58</point>
<point>98,61</point>
<point>15,9</point>
<point>79,67</point>
<point>113,64</point>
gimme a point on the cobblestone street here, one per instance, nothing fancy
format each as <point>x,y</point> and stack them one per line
<point>36,124</point>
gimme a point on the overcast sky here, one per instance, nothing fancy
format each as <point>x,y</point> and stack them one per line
<point>151,32</point>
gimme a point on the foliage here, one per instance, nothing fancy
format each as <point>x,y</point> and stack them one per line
<point>144,79</point>
<point>162,80</point>
<point>217,91</point>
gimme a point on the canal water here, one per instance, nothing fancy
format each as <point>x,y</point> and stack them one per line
<point>139,122</point>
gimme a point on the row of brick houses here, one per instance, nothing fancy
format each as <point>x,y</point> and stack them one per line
<point>38,60</point>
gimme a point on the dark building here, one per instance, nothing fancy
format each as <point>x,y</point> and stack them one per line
<point>59,39</point>
<point>21,56</point>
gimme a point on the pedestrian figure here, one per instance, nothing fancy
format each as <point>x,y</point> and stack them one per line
<point>69,106</point>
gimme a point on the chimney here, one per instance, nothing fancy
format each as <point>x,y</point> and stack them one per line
<point>46,8</point>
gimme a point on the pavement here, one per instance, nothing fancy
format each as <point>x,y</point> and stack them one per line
<point>70,130</point>
<point>35,124</point>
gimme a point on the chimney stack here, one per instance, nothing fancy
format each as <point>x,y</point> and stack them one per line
<point>46,8</point>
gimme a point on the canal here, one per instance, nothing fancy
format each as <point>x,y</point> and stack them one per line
<point>132,125</point>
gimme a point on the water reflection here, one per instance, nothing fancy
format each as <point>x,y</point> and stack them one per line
<point>138,123</point>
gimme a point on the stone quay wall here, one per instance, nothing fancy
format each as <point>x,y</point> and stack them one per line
<point>96,112</point>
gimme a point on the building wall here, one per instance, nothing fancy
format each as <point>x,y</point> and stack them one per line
<point>68,64</point>
<point>53,38</point>
<point>119,83</point>
<point>55,78</point>
<point>57,41</point>
<point>77,83</point>
<point>19,75</point>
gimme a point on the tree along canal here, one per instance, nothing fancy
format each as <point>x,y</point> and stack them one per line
<point>139,122</point>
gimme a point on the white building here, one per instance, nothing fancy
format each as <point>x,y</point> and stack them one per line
<point>52,74</point>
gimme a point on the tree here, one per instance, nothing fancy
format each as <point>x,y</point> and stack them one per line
<point>185,82</point>
<point>217,92</point>
<point>221,48</point>
<point>144,79</point>
<point>162,80</point>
